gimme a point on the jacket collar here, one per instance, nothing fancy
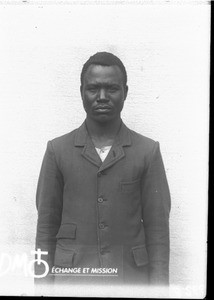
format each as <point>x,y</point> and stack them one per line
<point>123,137</point>
<point>82,139</point>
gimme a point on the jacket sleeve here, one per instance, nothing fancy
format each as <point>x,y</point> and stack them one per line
<point>156,204</point>
<point>49,198</point>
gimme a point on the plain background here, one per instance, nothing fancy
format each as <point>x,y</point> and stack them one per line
<point>165,48</point>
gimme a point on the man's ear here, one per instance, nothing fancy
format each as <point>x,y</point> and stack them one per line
<point>81,90</point>
<point>126,91</point>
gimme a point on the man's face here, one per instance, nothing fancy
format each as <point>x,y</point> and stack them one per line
<point>103,92</point>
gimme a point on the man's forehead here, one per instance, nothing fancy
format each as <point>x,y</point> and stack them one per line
<point>101,71</point>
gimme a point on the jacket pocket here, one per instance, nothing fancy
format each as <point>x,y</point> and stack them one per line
<point>67,231</point>
<point>140,255</point>
<point>64,258</point>
<point>129,186</point>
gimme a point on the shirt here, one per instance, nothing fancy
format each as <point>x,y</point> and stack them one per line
<point>103,152</point>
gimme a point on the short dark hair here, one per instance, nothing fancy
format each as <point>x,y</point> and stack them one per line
<point>104,59</point>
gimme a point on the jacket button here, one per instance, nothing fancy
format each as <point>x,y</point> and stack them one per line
<point>101,225</point>
<point>100,173</point>
<point>100,200</point>
<point>102,252</point>
<point>104,249</point>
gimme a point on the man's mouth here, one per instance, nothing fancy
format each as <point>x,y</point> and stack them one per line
<point>103,108</point>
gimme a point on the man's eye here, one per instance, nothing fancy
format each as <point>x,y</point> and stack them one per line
<point>113,90</point>
<point>92,90</point>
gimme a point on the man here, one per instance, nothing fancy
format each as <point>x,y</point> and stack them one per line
<point>103,200</point>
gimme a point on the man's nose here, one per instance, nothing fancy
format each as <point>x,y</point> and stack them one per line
<point>102,95</point>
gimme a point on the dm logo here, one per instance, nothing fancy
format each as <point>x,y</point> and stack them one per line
<point>10,264</point>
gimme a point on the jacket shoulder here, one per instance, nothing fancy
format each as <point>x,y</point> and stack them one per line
<point>140,140</point>
<point>64,140</point>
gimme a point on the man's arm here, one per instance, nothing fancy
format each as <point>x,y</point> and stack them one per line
<point>49,199</point>
<point>156,204</point>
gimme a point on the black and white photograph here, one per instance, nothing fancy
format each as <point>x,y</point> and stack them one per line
<point>104,148</point>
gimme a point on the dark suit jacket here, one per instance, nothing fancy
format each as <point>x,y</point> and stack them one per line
<point>111,214</point>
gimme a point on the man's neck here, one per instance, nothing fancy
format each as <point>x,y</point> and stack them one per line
<point>103,134</point>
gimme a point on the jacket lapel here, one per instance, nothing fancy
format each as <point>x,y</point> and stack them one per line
<point>82,139</point>
<point>90,153</point>
<point>116,153</point>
